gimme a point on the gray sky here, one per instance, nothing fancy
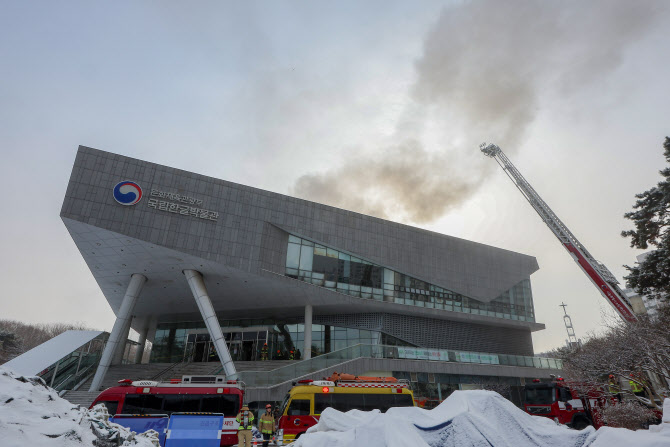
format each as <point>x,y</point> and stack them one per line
<point>374,106</point>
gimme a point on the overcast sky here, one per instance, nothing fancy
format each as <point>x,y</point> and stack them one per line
<point>374,106</point>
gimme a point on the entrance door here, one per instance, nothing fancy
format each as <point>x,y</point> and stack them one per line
<point>249,350</point>
<point>200,351</point>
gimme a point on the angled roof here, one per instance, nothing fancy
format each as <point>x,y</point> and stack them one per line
<point>41,357</point>
<point>247,237</point>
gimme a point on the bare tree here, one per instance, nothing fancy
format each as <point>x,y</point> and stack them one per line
<point>17,338</point>
<point>637,352</point>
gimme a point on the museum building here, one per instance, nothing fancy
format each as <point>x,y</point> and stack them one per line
<point>207,270</point>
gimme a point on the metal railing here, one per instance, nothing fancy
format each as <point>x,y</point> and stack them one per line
<point>305,367</point>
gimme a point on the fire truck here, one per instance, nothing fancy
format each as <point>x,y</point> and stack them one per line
<point>201,394</point>
<point>561,401</point>
<point>570,403</point>
<point>305,402</point>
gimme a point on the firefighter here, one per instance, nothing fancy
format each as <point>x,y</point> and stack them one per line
<point>291,355</point>
<point>613,387</point>
<point>245,418</point>
<point>636,386</point>
<point>264,352</point>
<point>266,424</point>
<point>279,355</point>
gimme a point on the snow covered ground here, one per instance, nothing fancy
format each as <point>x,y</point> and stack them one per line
<point>32,415</point>
<point>467,418</point>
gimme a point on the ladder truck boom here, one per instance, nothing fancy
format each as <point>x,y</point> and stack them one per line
<point>599,275</point>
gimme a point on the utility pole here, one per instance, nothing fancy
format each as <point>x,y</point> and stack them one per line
<point>572,341</point>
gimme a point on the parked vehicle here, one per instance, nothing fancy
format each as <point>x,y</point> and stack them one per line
<point>304,403</point>
<point>208,394</point>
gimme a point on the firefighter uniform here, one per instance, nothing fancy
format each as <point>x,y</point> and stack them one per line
<point>291,355</point>
<point>613,387</point>
<point>266,424</point>
<point>636,388</point>
<point>264,352</point>
<point>245,418</point>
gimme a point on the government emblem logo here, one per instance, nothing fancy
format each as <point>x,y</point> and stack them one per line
<point>127,193</point>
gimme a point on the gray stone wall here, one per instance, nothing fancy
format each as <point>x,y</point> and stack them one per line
<point>240,238</point>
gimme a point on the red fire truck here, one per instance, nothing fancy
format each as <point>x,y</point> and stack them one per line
<point>564,404</point>
<point>205,394</point>
<point>304,403</point>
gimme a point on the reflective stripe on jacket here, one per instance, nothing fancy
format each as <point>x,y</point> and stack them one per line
<point>266,424</point>
<point>249,420</point>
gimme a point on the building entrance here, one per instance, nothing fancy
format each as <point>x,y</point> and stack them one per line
<point>242,345</point>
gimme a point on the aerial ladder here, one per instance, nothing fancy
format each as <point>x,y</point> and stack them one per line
<point>599,275</point>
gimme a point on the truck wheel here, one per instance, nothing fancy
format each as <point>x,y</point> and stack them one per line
<point>580,423</point>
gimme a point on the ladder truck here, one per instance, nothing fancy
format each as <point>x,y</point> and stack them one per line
<point>599,275</point>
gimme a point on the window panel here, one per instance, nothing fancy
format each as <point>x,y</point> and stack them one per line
<point>306,256</point>
<point>293,256</point>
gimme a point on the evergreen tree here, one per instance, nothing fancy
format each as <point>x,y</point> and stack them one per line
<point>651,216</point>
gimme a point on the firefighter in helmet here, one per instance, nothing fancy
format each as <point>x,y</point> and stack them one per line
<point>245,418</point>
<point>613,387</point>
<point>635,383</point>
<point>291,355</point>
<point>266,425</point>
<point>264,352</point>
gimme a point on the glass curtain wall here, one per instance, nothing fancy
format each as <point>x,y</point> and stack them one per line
<point>326,267</point>
<point>175,342</point>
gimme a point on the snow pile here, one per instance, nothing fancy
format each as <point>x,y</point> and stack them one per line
<point>32,414</point>
<point>466,418</point>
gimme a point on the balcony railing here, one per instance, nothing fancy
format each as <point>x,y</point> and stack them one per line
<point>305,367</point>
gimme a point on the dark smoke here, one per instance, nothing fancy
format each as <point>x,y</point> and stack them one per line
<point>485,70</point>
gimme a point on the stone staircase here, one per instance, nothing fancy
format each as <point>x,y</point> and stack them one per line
<point>148,371</point>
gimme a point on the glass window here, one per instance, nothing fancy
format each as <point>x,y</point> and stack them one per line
<point>298,407</point>
<point>111,405</point>
<point>228,404</point>
<point>340,402</point>
<point>143,404</point>
<point>293,256</point>
<point>293,239</point>
<point>539,395</point>
<point>306,255</point>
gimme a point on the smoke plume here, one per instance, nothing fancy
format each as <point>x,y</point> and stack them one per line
<point>485,70</point>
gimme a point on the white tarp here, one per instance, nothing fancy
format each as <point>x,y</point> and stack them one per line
<point>466,419</point>
<point>49,352</point>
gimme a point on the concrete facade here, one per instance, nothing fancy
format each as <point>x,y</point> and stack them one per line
<point>237,236</point>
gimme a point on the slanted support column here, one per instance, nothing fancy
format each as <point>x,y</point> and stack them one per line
<point>199,291</point>
<point>307,351</point>
<point>122,320</point>
<point>117,357</point>
<point>144,330</point>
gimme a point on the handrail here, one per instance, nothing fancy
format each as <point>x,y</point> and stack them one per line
<point>168,369</point>
<point>305,367</point>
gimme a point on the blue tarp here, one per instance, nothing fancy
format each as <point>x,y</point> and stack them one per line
<point>140,424</point>
<point>194,430</point>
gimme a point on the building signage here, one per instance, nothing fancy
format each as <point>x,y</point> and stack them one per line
<point>180,204</point>
<point>127,193</point>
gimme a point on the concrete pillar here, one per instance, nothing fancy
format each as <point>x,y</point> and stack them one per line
<point>199,291</point>
<point>307,352</point>
<point>117,358</point>
<point>143,331</point>
<point>115,338</point>
<point>151,334</point>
